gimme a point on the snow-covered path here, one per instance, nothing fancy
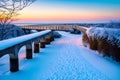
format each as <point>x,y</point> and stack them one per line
<point>64,59</point>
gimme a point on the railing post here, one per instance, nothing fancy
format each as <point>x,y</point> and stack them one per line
<point>14,63</point>
<point>52,36</point>
<point>36,46</point>
<point>29,50</point>
<point>47,39</point>
<point>42,42</point>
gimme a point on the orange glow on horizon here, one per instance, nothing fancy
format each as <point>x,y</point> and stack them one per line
<point>66,18</point>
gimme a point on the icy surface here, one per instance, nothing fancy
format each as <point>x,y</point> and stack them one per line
<point>64,59</point>
<point>11,42</point>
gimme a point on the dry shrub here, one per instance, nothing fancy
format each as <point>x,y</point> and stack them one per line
<point>106,41</point>
<point>103,46</point>
<point>100,47</point>
<point>93,43</point>
<point>85,40</point>
<point>106,48</point>
<point>115,52</point>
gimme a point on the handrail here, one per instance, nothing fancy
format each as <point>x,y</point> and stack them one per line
<point>12,46</point>
<point>14,41</point>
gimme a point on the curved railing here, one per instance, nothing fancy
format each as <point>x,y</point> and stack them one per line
<point>12,46</point>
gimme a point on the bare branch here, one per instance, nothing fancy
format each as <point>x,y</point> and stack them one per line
<point>8,10</point>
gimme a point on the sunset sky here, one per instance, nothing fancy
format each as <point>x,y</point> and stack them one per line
<point>67,11</point>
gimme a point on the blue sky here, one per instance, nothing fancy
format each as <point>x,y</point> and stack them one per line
<point>72,11</point>
<point>114,2</point>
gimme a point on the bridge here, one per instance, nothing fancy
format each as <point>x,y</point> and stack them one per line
<point>54,27</point>
<point>12,46</point>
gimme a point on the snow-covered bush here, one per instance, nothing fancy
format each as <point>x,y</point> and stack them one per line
<point>105,40</point>
<point>110,34</point>
<point>74,31</point>
<point>85,40</point>
<point>56,34</point>
<point>10,31</point>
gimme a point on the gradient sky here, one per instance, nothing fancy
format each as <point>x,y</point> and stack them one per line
<point>57,11</point>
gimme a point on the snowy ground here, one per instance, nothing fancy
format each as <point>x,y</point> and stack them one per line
<point>64,59</point>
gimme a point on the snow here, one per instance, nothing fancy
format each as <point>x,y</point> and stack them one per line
<point>34,31</point>
<point>112,34</point>
<point>65,59</point>
<point>11,42</point>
